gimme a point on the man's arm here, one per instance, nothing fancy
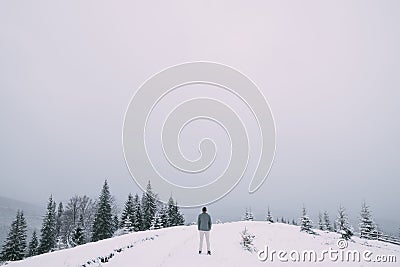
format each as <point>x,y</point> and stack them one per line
<point>198,222</point>
<point>209,222</point>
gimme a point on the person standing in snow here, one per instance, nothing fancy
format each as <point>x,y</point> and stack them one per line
<point>204,226</point>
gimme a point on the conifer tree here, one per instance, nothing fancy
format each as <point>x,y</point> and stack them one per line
<point>342,224</point>
<point>327,222</point>
<point>321,225</point>
<point>248,215</point>
<point>127,217</point>
<point>366,225</point>
<point>103,226</point>
<point>60,242</point>
<point>269,216</point>
<point>115,223</point>
<point>48,231</point>
<point>179,219</point>
<point>171,212</point>
<point>33,245</point>
<point>15,243</point>
<point>137,214</point>
<point>164,216</point>
<point>149,207</point>
<point>306,222</point>
<point>60,211</point>
<point>156,222</point>
<point>78,235</point>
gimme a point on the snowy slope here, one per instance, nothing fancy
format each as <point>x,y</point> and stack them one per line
<point>178,246</point>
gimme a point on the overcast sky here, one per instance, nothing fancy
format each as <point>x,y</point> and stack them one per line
<point>330,71</point>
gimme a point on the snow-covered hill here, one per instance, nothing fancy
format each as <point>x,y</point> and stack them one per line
<point>178,246</point>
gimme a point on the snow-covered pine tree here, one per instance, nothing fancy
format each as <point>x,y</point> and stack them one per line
<point>248,215</point>
<point>156,222</point>
<point>33,245</point>
<point>127,216</point>
<point>334,226</point>
<point>48,231</point>
<point>78,235</point>
<point>294,222</point>
<point>103,226</point>
<point>342,224</point>
<point>15,243</point>
<point>179,220</point>
<point>321,225</point>
<point>137,214</point>
<point>376,232</point>
<point>306,222</point>
<point>366,225</point>
<point>60,211</point>
<point>269,216</point>
<point>247,240</point>
<point>115,223</point>
<point>164,216</point>
<point>149,207</point>
<point>171,212</point>
<point>60,241</point>
<point>327,222</point>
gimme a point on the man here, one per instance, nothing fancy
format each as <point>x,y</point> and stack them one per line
<point>204,227</point>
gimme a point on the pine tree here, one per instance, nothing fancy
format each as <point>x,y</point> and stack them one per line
<point>78,235</point>
<point>269,216</point>
<point>247,240</point>
<point>127,218</point>
<point>334,226</point>
<point>60,211</point>
<point>171,212</point>
<point>164,216</point>
<point>179,219</point>
<point>306,223</point>
<point>366,223</point>
<point>294,222</point>
<point>137,214</point>
<point>103,224</point>
<point>115,223</point>
<point>60,242</point>
<point>33,245</point>
<point>149,201</point>
<point>48,231</point>
<point>321,225</point>
<point>156,222</point>
<point>342,224</point>
<point>15,243</point>
<point>327,222</point>
<point>248,215</point>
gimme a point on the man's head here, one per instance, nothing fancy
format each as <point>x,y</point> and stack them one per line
<point>204,209</point>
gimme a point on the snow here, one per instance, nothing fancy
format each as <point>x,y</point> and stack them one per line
<point>178,246</point>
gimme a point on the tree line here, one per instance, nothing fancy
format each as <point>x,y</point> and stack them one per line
<point>82,220</point>
<point>368,229</point>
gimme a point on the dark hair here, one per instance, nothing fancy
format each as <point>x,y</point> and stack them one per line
<point>204,209</point>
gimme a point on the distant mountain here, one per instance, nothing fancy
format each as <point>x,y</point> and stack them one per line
<point>8,210</point>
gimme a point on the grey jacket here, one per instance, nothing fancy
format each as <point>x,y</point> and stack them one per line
<point>204,222</point>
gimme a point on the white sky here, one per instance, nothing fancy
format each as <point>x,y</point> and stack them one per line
<point>330,71</point>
